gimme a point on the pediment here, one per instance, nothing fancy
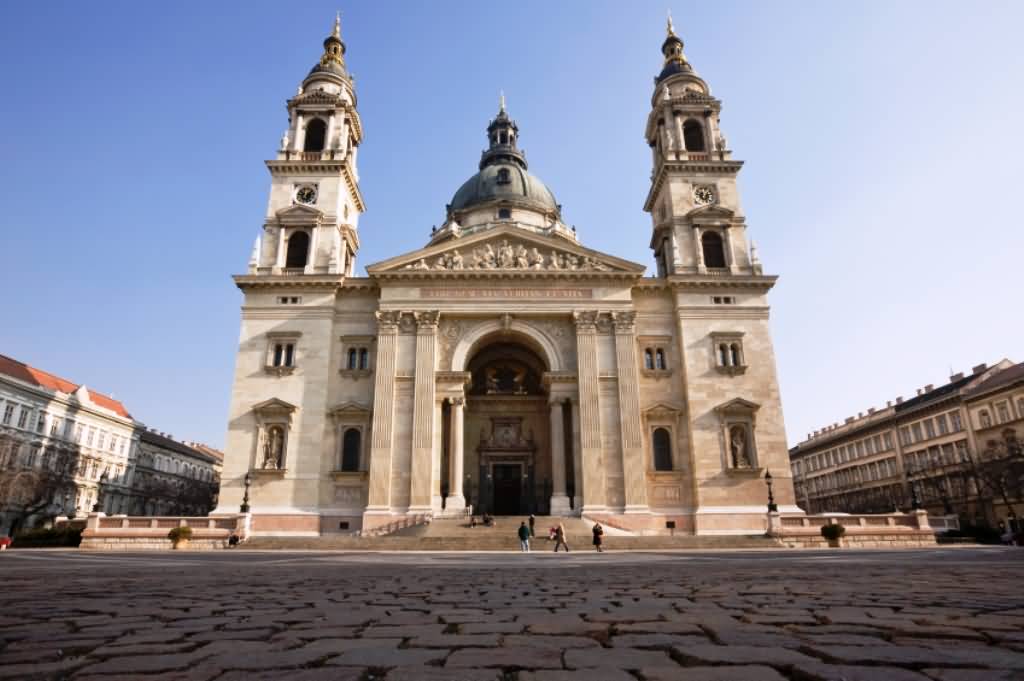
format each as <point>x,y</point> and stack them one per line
<point>299,214</point>
<point>274,405</point>
<point>505,251</point>
<point>738,405</point>
<point>350,409</point>
<point>712,211</point>
<point>662,410</point>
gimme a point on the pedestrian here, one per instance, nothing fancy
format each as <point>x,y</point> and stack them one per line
<point>233,540</point>
<point>598,535</point>
<point>532,521</point>
<point>560,538</point>
<point>524,537</point>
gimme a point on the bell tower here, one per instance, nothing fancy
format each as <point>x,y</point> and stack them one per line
<point>698,223</point>
<point>312,220</point>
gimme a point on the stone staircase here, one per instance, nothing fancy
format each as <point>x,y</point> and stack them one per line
<point>455,534</point>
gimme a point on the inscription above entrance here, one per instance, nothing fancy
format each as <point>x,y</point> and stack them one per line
<point>506,293</point>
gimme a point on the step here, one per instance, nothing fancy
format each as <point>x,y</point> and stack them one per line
<point>504,542</point>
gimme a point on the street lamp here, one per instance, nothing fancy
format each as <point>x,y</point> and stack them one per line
<point>98,506</point>
<point>772,506</point>
<point>244,508</point>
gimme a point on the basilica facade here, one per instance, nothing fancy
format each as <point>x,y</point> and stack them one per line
<point>504,367</point>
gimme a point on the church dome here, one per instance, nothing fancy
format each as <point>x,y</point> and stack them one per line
<point>506,182</point>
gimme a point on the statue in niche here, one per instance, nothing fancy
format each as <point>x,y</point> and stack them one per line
<point>273,449</point>
<point>738,444</point>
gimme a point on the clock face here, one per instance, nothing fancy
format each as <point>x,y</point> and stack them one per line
<point>306,194</point>
<point>704,195</point>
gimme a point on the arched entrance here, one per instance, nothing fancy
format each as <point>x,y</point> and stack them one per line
<point>506,431</point>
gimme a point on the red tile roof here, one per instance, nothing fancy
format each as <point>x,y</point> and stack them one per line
<point>44,379</point>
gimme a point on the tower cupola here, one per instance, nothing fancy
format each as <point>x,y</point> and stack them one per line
<point>502,133</point>
<point>332,62</point>
<point>672,48</point>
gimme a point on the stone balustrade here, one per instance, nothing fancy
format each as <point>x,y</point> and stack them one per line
<point>887,530</point>
<point>132,533</point>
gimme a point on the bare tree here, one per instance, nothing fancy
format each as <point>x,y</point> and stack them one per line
<point>37,488</point>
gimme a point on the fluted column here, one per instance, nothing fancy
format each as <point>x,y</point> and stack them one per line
<point>559,499</point>
<point>577,456</point>
<point>634,465</point>
<point>456,499</point>
<point>383,412</point>
<point>594,493</point>
<point>423,413</point>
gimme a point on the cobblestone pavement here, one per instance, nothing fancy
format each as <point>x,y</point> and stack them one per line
<point>943,615</point>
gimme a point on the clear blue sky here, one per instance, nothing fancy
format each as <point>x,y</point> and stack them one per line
<point>882,142</point>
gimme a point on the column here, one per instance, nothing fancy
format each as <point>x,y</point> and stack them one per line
<point>559,499</point>
<point>577,457</point>
<point>300,134</point>
<point>423,413</point>
<point>678,121</point>
<point>383,413</point>
<point>699,248</point>
<point>314,247</point>
<point>280,250</point>
<point>730,257</point>
<point>329,142</point>
<point>590,412</point>
<point>437,446</point>
<point>634,463</point>
<point>456,500</point>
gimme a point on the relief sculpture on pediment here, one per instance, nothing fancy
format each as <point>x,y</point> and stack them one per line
<point>509,256</point>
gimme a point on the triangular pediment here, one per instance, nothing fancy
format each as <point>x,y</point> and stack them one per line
<point>274,405</point>
<point>663,409</point>
<point>299,214</point>
<point>712,211</point>
<point>350,409</point>
<point>738,405</point>
<point>506,250</point>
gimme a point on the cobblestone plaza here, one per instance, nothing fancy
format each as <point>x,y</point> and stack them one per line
<point>946,614</point>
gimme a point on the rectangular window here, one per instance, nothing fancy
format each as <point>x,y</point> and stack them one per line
<point>41,423</point>
<point>8,414</point>
<point>887,439</point>
<point>1002,412</point>
<point>940,424</point>
<point>284,354</point>
<point>23,417</point>
<point>90,434</point>
<point>113,443</point>
<point>929,428</point>
<point>102,439</point>
<point>121,449</point>
<point>904,436</point>
<point>869,445</point>
<point>916,430</point>
<point>954,419</point>
<point>54,426</point>
<point>860,448</point>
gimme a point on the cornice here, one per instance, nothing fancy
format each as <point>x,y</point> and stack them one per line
<point>722,312</point>
<point>701,281</point>
<point>492,275</point>
<point>291,281</point>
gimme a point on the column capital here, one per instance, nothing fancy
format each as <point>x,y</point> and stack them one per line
<point>458,401</point>
<point>624,320</point>
<point>388,320</point>
<point>426,320</point>
<point>585,320</point>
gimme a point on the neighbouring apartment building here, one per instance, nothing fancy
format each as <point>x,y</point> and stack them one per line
<point>63,447</point>
<point>956,448</point>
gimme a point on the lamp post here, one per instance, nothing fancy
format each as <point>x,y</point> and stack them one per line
<point>244,508</point>
<point>772,506</point>
<point>98,506</point>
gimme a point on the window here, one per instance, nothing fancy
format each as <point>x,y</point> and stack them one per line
<point>41,423</point>
<point>728,352</point>
<point>984,418</point>
<point>54,426</point>
<point>351,449</point>
<point>503,176</point>
<point>954,420</point>
<point>662,442</point>
<point>298,250</point>
<point>723,300</point>
<point>113,443</point>
<point>713,249</point>
<point>316,134</point>
<point>734,355</point>
<point>887,439</point>
<point>916,430</point>
<point>904,436</point>
<point>869,445</point>
<point>929,428</point>
<point>504,214</point>
<point>289,300</point>
<point>1002,412</point>
<point>355,358</point>
<point>8,413</point>
<point>940,424</point>
<point>659,360</point>
<point>693,135</point>
<point>23,417</point>
<point>1020,407</point>
<point>648,360</point>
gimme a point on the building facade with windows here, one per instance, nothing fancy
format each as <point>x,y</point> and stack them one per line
<point>503,365</point>
<point>936,446</point>
<point>64,448</point>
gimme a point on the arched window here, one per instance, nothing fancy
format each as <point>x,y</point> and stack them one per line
<point>723,355</point>
<point>350,450</point>
<point>648,359</point>
<point>504,214</point>
<point>364,359</point>
<point>659,359</point>
<point>714,252</point>
<point>298,250</point>
<point>693,135</point>
<point>316,134</point>
<point>734,352</point>
<point>503,137</point>
<point>503,176</point>
<point>352,358</point>
<point>662,450</point>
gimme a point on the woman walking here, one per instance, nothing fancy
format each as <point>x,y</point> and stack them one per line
<point>598,535</point>
<point>560,538</point>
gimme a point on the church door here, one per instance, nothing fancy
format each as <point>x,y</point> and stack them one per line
<point>508,486</point>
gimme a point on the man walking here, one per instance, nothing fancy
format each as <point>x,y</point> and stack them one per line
<point>524,537</point>
<point>532,521</point>
<point>560,538</point>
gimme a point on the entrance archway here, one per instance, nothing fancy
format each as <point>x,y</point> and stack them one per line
<point>506,431</point>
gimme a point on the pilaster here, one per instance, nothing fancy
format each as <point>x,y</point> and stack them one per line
<point>424,404</point>
<point>592,462</point>
<point>633,465</point>
<point>383,412</point>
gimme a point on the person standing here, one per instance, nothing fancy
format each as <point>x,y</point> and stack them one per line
<point>524,537</point>
<point>598,537</point>
<point>532,521</point>
<point>560,538</point>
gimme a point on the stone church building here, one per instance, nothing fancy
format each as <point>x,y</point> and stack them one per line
<point>504,366</point>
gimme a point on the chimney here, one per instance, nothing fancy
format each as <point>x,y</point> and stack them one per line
<point>899,400</point>
<point>956,377</point>
<point>930,387</point>
<point>980,369</point>
<point>871,410</point>
<point>849,419</point>
<point>918,392</point>
<point>888,403</point>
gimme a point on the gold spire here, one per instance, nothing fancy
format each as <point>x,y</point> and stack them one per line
<point>669,27</point>
<point>334,48</point>
<point>337,25</point>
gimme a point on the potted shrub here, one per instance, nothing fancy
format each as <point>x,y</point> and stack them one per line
<point>833,533</point>
<point>179,536</point>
